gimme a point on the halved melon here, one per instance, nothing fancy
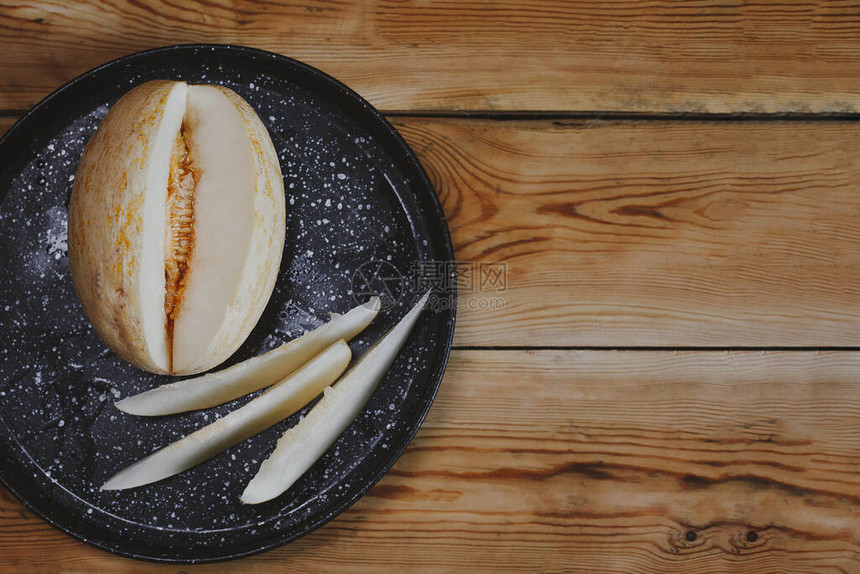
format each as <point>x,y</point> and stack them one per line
<point>176,226</point>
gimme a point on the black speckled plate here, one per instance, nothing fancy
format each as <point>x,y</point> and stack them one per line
<point>361,217</point>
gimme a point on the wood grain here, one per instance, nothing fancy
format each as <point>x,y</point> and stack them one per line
<point>6,122</point>
<point>590,461</point>
<point>491,55</point>
<point>652,233</point>
<point>670,234</point>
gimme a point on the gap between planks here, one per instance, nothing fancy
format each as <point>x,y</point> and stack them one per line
<point>8,117</point>
<point>596,115</point>
<point>646,349</point>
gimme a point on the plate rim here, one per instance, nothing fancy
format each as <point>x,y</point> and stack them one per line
<point>406,152</point>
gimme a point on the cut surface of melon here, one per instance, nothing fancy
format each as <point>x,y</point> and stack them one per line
<point>154,222</point>
<point>223,221</point>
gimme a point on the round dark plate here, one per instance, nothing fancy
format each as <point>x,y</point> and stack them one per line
<point>361,217</point>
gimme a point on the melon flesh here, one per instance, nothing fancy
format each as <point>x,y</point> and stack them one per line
<point>224,226</point>
<point>176,226</point>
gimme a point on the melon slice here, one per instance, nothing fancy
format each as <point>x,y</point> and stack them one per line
<point>300,447</point>
<point>274,405</point>
<point>251,375</point>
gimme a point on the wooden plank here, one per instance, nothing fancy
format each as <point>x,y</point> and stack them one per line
<point>652,233</point>
<point>585,55</point>
<point>590,461</point>
<point>6,123</point>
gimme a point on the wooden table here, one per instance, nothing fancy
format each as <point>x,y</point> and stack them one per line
<point>670,383</point>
